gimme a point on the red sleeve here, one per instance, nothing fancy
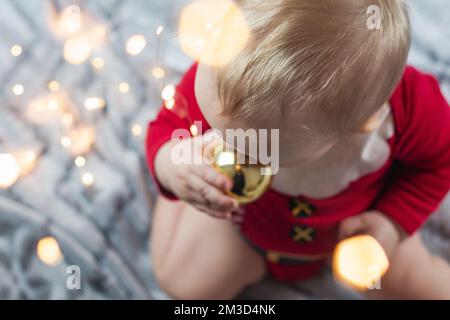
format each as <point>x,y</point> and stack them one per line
<point>420,177</point>
<point>167,121</point>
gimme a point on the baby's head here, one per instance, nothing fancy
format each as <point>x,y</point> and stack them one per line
<point>317,70</point>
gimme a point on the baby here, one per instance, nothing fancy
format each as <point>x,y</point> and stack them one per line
<point>364,148</point>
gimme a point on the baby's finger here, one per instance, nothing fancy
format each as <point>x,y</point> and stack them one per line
<point>211,197</point>
<point>212,177</point>
<point>350,227</point>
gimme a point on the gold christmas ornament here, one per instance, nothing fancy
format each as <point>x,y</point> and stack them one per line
<point>249,184</point>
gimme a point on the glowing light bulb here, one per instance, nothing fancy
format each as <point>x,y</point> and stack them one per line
<point>67,119</point>
<point>53,105</point>
<point>359,262</point>
<point>136,129</point>
<point>77,49</point>
<point>158,72</point>
<point>48,251</point>
<point>66,142</point>
<point>16,50</point>
<point>69,22</point>
<point>124,87</point>
<point>87,179</point>
<point>53,86</point>
<point>213,32</point>
<point>169,104</point>
<point>18,89</point>
<point>98,63</point>
<point>94,103</point>
<point>194,130</point>
<point>81,140</point>
<point>26,160</point>
<point>80,161</point>
<point>9,171</point>
<point>136,44</point>
<point>168,92</point>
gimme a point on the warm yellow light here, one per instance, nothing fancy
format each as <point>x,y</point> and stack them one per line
<point>16,50</point>
<point>49,252</point>
<point>226,158</point>
<point>359,261</point>
<point>169,104</point>
<point>80,161</point>
<point>136,44</point>
<point>66,142</point>
<point>98,63</point>
<point>69,22</point>
<point>158,72</point>
<point>67,119</point>
<point>9,171</point>
<point>53,86</point>
<point>26,160</point>
<point>168,92</point>
<point>194,130</point>
<point>124,87</point>
<point>81,140</point>
<point>94,103</point>
<point>53,105</point>
<point>18,89</point>
<point>46,108</point>
<point>77,49</point>
<point>213,32</point>
<point>136,129</point>
<point>87,179</point>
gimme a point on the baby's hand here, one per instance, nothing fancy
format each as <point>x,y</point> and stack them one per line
<point>376,224</point>
<point>197,184</point>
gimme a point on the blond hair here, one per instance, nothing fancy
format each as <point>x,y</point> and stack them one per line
<point>315,61</point>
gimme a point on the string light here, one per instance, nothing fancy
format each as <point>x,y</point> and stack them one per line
<point>169,104</point>
<point>79,141</point>
<point>53,86</point>
<point>67,119</point>
<point>98,63</point>
<point>69,22</point>
<point>87,179</point>
<point>359,262</point>
<point>18,89</point>
<point>136,129</point>
<point>168,92</point>
<point>66,142</point>
<point>53,105</point>
<point>16,50</point>
<point>26,160</point>
<point>80,161</point>
<point>124,87</point>
<point>9,171</point>
<point>77,50</point>
<point>94,103</point>
<point>159,30</point>
<point>214,38</point>
<point>194,130</point>
<point>158,72</point>
<point>48,251</point>
<point>136,44</point>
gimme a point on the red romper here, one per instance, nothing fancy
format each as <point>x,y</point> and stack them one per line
<point>408,187</point>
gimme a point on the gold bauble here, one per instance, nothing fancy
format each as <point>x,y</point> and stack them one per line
<point>248,182</point>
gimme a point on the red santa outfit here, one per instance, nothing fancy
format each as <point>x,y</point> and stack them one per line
<point>401,169</point>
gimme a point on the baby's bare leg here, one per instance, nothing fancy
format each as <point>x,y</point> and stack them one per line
<point>198,257</point>
<point>414,274</point>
